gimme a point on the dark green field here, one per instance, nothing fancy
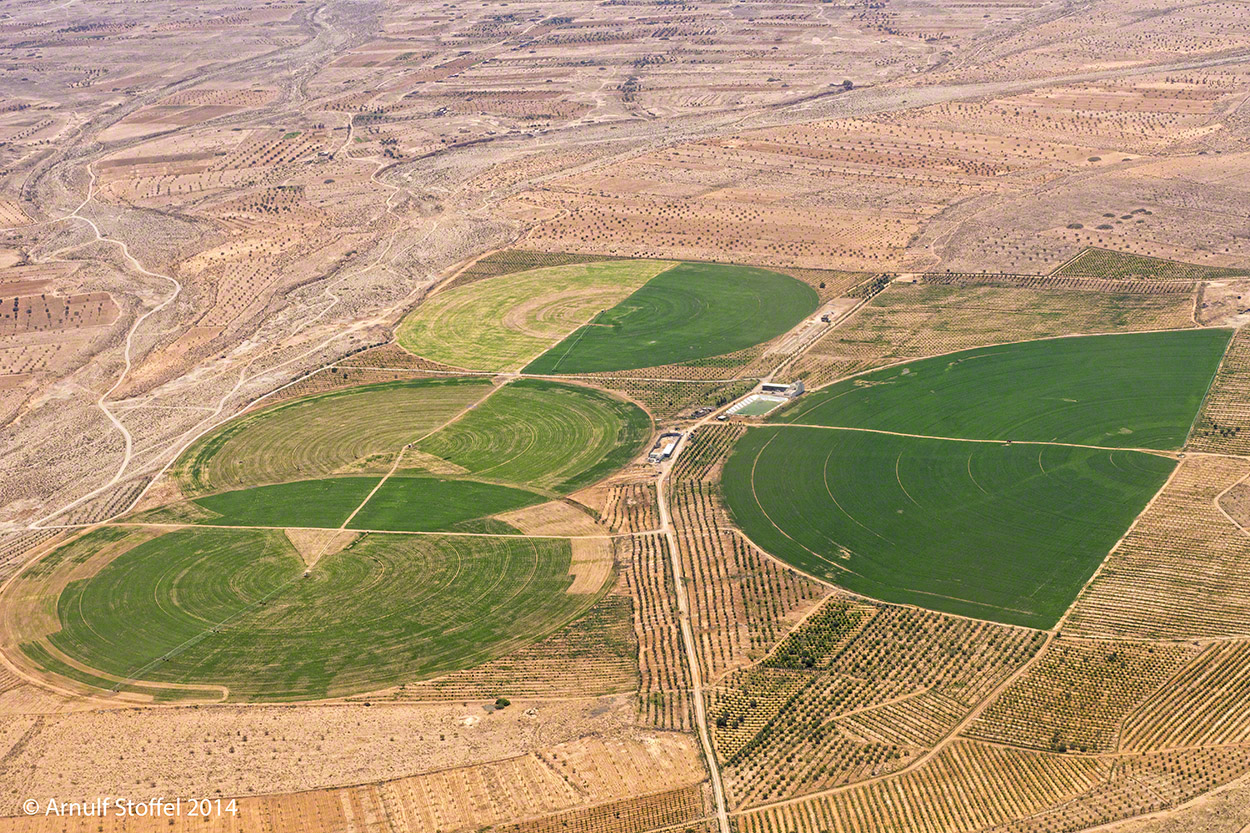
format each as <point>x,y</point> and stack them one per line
<point>692,311</point>
<point>434,504</point>
<point>233,608</point>
<point>1125,391</point>
<point>1001,532</point>
<point>324,503</point>
<point>403,504</point>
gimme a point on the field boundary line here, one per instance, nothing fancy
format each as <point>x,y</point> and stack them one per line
<point>1102,564</point>
<point>1055,272</point>
<point>1216,500</point>
<point>1150,698</point>
<point>372,531</point>
<point>783,564</point>
<point>584,329</point>
<point>802,620</point>
<point>672,264</point>
<point>1206,395</point>
<point>400,456</point>
<point>369,497</point>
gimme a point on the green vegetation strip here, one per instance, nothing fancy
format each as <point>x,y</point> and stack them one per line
<point>994,531</point>
<point>690,312</point>
<point>233,608</point>
<point>324,503</point>
<point>1106,263</point>
<point>403,504</point>
<point>1140,390</point>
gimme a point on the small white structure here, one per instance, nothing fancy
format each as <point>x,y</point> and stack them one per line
<point>664,447</point>
<point>790,391</point>
<point>756,405</point>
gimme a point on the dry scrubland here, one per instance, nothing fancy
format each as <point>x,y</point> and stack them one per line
<point>206,208</point>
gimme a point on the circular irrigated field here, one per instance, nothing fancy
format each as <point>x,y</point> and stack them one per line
<point>604,317</point>
<point>993,531</point>
<point>337,544</point>
<point>466,450</point>
<point>504,322</point>
<point>234,608</point>
<point>989,483</point>
<point>690,312</point>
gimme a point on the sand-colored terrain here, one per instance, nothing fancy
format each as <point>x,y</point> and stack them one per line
<point>206,209</point>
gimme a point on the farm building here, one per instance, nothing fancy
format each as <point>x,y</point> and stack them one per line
<point>664,447</point>
<point>790,391</point>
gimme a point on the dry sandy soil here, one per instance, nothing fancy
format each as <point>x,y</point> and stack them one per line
<point>202,204</point>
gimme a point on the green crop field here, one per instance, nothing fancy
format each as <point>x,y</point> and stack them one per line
<point>315,436</point>
<point>433,504</point>
<point>530,438</point>
<point>234,608</point>
<point>502,323</point>
<point>543,434</point>
<point>1140,390</point>
<point>1007,532</point>
<point>325,503</point>
<point>403,504</point>
<point>206,605</point>
<point>692,311</point>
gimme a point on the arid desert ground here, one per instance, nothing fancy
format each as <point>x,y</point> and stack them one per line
<point>384,443</point>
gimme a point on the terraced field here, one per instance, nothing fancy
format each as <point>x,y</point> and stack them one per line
<point>501,323</point>
<point>235,608</point>
<point>1140,390</point>
<point>690,312</point>
<point>1001,532</point>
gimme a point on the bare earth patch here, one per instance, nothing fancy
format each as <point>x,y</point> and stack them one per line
<point>314,544</point>
<point>591,564</point>
<point>554,518</point>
